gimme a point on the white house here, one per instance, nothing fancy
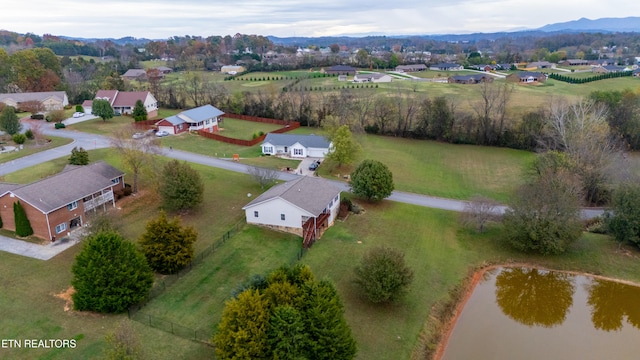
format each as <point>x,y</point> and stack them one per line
<point>297,146</point>
<point>205,117</point>
<point>372,77</point>
<point>306,206</point>
<point>125,101</point>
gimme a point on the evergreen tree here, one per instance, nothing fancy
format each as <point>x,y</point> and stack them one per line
<point>109,275</point>
<point>181,187</point>
<point>79,156</point>
<point>167,245</point>
<point>286,334</point>
<point>139,111</point>
<point>9,121</point>
<point>23,225</point>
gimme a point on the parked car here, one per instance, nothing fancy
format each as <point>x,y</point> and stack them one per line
<point>138,135</point>
<point>314,165</point>
<point>161,133</point>
<point>78,114</point>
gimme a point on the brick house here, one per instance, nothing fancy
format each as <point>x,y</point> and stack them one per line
<point>59,203</point>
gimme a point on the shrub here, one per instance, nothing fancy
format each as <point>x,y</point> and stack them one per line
<point>19,138</point>
<point>29,134</point>
<point>383,275</point>
<point>79,108</point>
<point>23,225</point>
<point>167,245</point>
<point>60,126</point>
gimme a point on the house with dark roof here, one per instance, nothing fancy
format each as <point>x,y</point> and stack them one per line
<point>57,204</point>
<point>50,100</point>
<point>340,70</point>
<point>125,101</point>
<point>306,207</point>
<point>605,69</point>
<point>527,77</point>
<point>296,146</point>
<point>469,79</point>
<point>205,117</point>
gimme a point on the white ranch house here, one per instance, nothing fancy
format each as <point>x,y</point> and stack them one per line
<point>204,117</point>
<point>306,206</point>
<point>296,146</point>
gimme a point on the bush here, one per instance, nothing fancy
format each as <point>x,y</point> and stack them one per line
<point>19,138</point>
<point>372,180</point>
<point>23,225</point>
<point>127,190</point>
<point>29,134</point>
<point>167,245</point>
<point>60,126</point>
<point>109,275</point>
<point>79,108</point>
<point>383,275</point>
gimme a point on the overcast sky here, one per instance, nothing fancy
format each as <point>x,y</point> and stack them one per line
<point>160,19</point>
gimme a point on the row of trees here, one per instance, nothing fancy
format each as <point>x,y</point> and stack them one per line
<point>583,80</point>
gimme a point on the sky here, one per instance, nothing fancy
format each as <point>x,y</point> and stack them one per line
<point>161,19</point>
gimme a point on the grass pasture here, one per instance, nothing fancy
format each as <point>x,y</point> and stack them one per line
<point>30,148</point>
<point>244,130</point>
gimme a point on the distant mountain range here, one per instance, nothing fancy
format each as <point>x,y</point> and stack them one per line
<point>628,24</point>
<point>604,25</point>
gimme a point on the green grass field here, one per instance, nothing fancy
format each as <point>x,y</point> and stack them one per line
<point>245,130</point>
<point>30,147</point>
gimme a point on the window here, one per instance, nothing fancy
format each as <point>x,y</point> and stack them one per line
<point>116,180</point>
<point>255,214</point>
<point>72,206</point>
<point>336,199</point>
<point>60,228</point>
<point>281,216</point>
<point>298,151</point>
<point>268,149</point>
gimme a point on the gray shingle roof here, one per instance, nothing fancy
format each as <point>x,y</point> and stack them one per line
<point>29,96</point>
<point>70,185</point>
<point>308,141</point>
<point>308,193</point>
<point>201,113</point>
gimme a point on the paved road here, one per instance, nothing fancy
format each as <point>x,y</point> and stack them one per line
<point>90,141</point>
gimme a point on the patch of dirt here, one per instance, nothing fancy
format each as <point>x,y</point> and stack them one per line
<point>66,296</point>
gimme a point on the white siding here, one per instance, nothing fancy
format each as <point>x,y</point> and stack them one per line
<point>150,103</point>
<point>317,152</point>
<point>334,208</point>
<point>298,151</point>
<point>269,213</point>
<point>272,148</point>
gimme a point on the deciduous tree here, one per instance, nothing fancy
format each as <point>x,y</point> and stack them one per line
<point>372,180</point>
<point>478,211</point>
<point>263,176</point>
<point>109,274</point>
<point>345,148</point>
<point>181,187</point>
<point>383,275</point>
<point>102,108</point>
<point>167,245</point>
<point>137,154</point>
<point>624,221</point>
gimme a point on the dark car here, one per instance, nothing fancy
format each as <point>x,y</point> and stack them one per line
<point>314,165</point>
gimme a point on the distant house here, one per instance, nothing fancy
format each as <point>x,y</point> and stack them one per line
<point>469,79</point>
<point>411,68</point>
<point>574,62</point>
<point>306,207</point>
<point>297,146</point>
<point>50,100</point>
<point>201,118</point>
<point>636,73</point>
<point>125,101</point>
<point>340,70</point>
<point>342,77</point>
<point>164,69</point>
<point>59,203</point>
<point>446,67</point>
<point>527,77</point>
<point>135,74</point>
<point>232,69</point>
<point>541,65</point>
<point>608,69</point>
<point>372,77</point>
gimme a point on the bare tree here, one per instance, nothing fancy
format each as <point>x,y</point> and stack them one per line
<point>491,110</point>
<point>479,211</point>
<point>36,130</point>
<point>137,154</point>
<point>263,176</point>
<point>580,129</point>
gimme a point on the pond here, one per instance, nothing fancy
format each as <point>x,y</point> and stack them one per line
<point>526,313</point>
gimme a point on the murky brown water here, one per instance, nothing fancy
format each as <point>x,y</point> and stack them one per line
<point>522,313</point>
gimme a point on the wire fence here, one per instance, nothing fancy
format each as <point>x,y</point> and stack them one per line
<point>160,286</point>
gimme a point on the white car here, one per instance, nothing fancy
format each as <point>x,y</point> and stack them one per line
<point>78,114</point>
<point>138,135</point>
<point>162,133</point>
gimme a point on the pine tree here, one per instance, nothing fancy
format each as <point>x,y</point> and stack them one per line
<point>79,156</point>
<point>139,112</point>
<point>181,187</point>
<point>23,225</point>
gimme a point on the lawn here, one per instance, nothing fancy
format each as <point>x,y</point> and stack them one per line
<point>102,127</point>
<point>245,130</point>
<point>30,147</point>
